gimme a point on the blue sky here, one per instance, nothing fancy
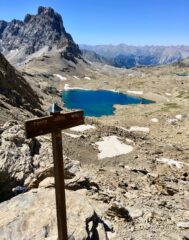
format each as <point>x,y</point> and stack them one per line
<point>134,22</point>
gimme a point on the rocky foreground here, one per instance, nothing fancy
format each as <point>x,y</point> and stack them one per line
<point>139,195</point>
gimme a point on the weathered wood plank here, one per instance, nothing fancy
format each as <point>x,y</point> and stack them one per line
<point>45,125</point>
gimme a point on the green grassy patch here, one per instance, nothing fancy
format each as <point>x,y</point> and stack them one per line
<point>184,74</point>
<point>183,94</point>
<point>169,106</point>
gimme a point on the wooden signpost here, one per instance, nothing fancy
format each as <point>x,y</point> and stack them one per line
<point>54,124</point>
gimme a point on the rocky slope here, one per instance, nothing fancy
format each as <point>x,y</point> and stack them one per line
<point>136,196</point>
<point>36,35</point>
<point>123,55</point>
<point>16,95</point>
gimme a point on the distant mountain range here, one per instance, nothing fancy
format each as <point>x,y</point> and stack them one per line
<point>36,35</point>
<point>123,55</point>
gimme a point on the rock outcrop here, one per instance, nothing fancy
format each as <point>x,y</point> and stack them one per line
<point>26,162</point>
<point>38,206</point>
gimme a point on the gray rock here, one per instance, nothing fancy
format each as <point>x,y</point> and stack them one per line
<point>32,215</point>
<point>47,183</point>
<point>183,225</point>
<point>26,162</point>
<point>185,236</point>
<point>135,213</point>
<point>120,211</point>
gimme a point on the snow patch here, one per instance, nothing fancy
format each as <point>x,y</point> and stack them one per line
<point>139,129</point>
<point>76,77</point>
<point>82,128</point>
<point>129,140</point>
<point>131,75</point>
<point>111,147</point>
<point>171,162</point>
<point>154,120</point>
<point>13,51</point>
<point>135,92</point>
<point>72,135</point>
<point>124,129</point>
<point>114,90</point>
<point>168,94</point>
<point>87,78</point>
<point>179,117</point>
<point>67,87</point>
<point>60,77</point>
<point>172,120</point>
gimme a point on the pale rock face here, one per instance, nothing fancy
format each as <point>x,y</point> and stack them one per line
<point>47,183</point>
<point>184,225</point>
<point>32,216</point>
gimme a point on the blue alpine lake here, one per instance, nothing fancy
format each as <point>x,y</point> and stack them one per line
<point>97,103</point>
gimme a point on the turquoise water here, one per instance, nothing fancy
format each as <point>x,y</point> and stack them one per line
<point>98,103</point>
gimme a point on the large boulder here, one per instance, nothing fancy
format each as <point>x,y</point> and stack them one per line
<point>32,216</point>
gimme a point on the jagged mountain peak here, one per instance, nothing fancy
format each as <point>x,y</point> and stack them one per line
<point>47,11</point>
<point>45,30</point>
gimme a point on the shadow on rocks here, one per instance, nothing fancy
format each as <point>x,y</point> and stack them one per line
<point>93,233</point>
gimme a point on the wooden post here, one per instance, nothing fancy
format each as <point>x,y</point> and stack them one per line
<point>59,184</point>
